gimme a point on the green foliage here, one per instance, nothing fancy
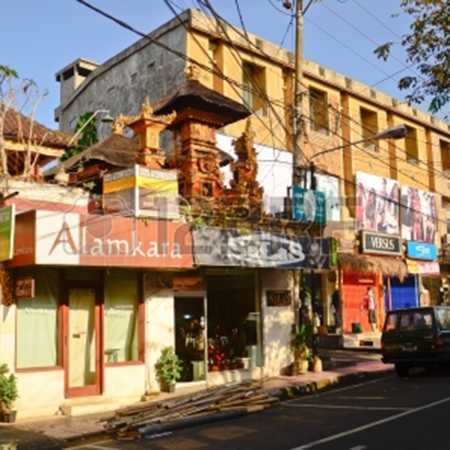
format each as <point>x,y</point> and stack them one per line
<point>88,135</point>
<point>427,45</point>
<point>7,72</point>
<point>8,388</point>
<point>302,341</point>
<point>168,367</point>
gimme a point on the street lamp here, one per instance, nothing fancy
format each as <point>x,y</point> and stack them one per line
<point>106,119</point>
<point>397,132</point>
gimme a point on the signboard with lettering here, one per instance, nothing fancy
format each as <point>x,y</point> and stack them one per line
<point>422,250</point>
<point>278,298</point>
<point>380,244</point>
<point>24,288</point>
<point>309,206</point>
<point>7,220</point>
<point>233,247</point>
<point>101,240</point>
<point>423,267</point>
<point>142,192</point>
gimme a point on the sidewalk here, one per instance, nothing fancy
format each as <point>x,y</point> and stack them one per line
<point>341,367</point>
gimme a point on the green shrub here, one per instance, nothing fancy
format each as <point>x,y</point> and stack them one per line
<point>8,388</point>
<point>168,367</point>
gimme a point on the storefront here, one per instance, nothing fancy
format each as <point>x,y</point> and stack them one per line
<point>251,284</point>
<point>85,289</point>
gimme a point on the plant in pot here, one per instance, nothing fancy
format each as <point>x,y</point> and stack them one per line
<point>8,394</point>
<point>168,369</point>
<point>300,344</point>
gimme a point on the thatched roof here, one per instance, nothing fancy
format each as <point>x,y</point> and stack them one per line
<point>17,128</point>
<point>388,266</point>
<point>116,150</point>
<point>195,95</point>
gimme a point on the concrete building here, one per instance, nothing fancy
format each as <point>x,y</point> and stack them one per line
<point>337,110</point>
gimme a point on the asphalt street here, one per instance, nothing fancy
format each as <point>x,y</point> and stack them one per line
<point>388,413</point>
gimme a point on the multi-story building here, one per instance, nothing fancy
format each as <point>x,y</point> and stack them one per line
<point>403,194</point>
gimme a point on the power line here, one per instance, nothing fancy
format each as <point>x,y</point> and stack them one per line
<point>241,18</point>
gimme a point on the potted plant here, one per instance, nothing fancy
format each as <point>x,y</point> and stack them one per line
<point>168,369</point>
<point>8,395</point>
<point>300,345</point>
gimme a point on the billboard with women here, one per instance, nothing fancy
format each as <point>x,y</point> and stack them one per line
<point>377,204</point>
<point>418,215</point>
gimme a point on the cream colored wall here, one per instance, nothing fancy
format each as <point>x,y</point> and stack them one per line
<point>270,127</point>
<point>159,328</point>
<point>277,323</point>
<point>125,381</point>
<point>366,160</point>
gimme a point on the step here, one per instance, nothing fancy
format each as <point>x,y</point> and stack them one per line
<point>94,405</point>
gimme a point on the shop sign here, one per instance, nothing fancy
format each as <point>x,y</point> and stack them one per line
<point>56,238</point>
<point>233,247</point>
<point>309,206</point>
<point>24,288</point>
<point>422,250</point>
<point>142,192</point>
<point>279,298</point>
<point>380,244</point>
<point>423,268</point>
<point>7,221</point>
<point>184,284</point>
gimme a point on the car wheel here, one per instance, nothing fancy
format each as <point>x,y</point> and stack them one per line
<point>402,370</point>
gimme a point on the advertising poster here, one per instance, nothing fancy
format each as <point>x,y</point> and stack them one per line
<point>377,204</point>
<point>418,215</point>
<point>309,206</point>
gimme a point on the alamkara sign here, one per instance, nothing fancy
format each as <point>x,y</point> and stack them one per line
<point>56,238</point>
<point>236,248</point>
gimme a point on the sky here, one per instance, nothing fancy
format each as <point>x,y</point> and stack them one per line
<point>41,36</point>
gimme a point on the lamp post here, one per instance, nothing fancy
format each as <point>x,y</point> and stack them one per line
<point>397,132</point>
<point>106,119</point>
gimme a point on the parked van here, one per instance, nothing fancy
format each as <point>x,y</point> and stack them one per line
<point>416,337</point>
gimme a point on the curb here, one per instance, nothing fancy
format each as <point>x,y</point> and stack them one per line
<point>326,384</point>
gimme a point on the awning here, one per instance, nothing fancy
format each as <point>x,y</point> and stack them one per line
<point>388,266</point>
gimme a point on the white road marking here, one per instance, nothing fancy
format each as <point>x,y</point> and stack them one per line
<point>359,447</point>
<point>372,424</point>
<point>347,388</point>
<point>350,397</point>
<point>357,408</point>
<point>94,445</point>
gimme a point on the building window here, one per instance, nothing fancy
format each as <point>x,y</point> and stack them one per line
<point>318,110</point>
<point>216,53</point>
<point>37,322</point>
<point>445,155</point>
<point>122,316</point>
<point>369,127</point>
<point>254,88</point>
<point>412,146</point>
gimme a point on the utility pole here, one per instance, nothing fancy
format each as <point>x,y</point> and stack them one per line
<point>298,94</point>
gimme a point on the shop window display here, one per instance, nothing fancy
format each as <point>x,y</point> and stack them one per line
<point>233,323</point>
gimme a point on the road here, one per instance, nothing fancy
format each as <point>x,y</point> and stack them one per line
<point>388,413</point>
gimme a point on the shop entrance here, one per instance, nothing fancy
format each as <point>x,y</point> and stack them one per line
<point>83,338</point>
<point>233,323</point>
<point>190,337</point>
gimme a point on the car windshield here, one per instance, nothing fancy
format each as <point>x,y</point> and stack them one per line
<point>443,318</point>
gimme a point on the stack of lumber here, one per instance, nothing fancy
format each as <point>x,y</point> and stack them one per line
<point>187,410</point>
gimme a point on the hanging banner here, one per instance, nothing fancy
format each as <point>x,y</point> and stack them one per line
<point>309,206</point>
<point>419,215</point>
<point>422,250</point>
<point>377,204</point>
<point>7,221</point>
<point>233,247</point>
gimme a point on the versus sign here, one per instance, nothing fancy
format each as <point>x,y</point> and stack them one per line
<point>422,250</point>
<point>380,244</point>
